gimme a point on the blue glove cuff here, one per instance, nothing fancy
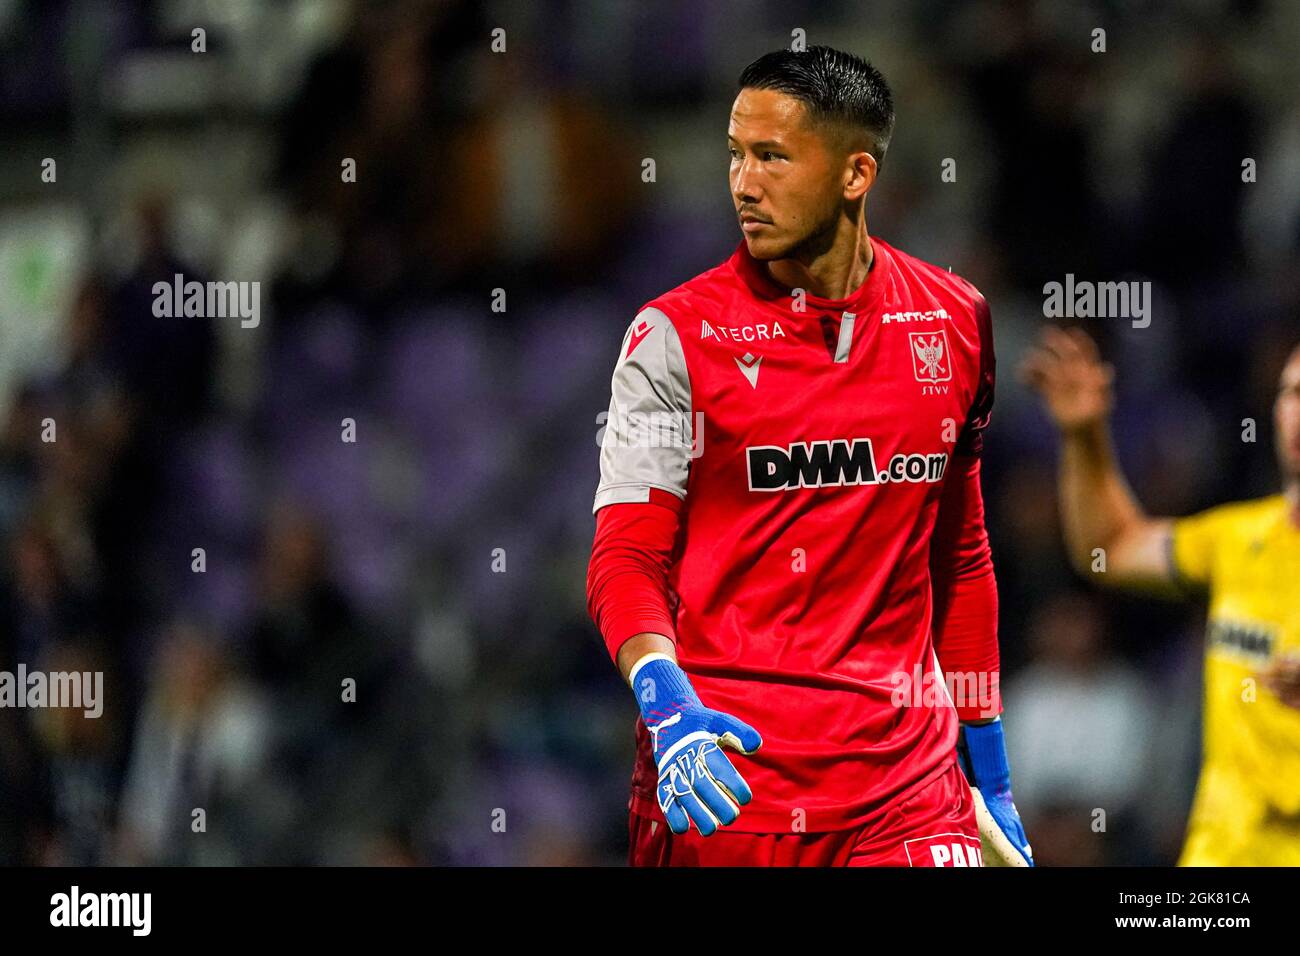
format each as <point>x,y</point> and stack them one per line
<point>986,755</point>
<point>661,688</point>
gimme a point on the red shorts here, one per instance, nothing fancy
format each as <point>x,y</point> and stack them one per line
<point>935,826</point>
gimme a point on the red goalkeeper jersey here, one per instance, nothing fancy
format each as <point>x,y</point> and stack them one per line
<point>772,471</point>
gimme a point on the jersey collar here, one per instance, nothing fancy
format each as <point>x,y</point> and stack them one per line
<point>866,298</point>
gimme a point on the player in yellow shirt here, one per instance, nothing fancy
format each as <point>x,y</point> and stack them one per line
<point>1246,556</point>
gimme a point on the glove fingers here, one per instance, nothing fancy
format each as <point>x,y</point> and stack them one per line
<point>672,786</point>
<point>678,822</point>
<point>717,801</point>
<point>700,815</point>
<point>1000,847</point>
<point>728,778</point>
<point>1008,820</point>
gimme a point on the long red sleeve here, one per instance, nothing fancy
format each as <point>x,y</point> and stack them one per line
<point>627,578</point>
<point>965,621</point>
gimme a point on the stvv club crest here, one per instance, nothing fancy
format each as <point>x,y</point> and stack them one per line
<point>930,359</point>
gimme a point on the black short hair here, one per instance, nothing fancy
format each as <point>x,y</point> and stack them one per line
<point>839,89</point>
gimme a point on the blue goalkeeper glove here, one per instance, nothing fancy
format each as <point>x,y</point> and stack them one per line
<point>983,753</point>
<point>697,783</point>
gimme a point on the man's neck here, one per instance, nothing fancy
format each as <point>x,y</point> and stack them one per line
<point>1291,491</point>
<point>834,273</point>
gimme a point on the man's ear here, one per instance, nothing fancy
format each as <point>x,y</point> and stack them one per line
<point>860,176</point>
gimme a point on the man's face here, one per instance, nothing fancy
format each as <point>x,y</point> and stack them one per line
<point>1286,418</point>
<point>786,181</point>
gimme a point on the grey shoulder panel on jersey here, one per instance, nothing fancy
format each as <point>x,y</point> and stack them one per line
<point>647,438</point>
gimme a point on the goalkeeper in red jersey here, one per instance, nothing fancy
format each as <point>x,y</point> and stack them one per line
<point>790,559</point>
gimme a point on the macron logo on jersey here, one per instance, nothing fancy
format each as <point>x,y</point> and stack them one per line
<point>825,464</point>
<point>638,336</point>
<point>748,366</point>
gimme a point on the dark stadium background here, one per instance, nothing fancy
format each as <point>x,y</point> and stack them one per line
<point>480,691</point>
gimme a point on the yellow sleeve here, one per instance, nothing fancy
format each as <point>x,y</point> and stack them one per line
<point>1195,539</point>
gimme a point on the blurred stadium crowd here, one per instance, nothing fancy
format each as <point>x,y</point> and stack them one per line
<point>481,690</point>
